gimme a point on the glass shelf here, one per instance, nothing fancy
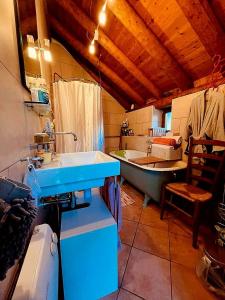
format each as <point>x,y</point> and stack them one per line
<point>42,109</point>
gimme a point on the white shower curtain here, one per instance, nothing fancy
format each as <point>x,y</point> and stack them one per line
<point>78,108</point>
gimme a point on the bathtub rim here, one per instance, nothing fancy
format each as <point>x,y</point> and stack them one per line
<point>172,169</point>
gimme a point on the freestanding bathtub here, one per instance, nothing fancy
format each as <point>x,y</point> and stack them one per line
<point>148,178</point>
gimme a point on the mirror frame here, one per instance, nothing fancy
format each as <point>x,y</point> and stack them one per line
<point>20,46</point>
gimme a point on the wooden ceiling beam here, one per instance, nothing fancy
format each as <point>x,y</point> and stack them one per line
<point>136,26</point>
<point>83,50</point>
<point>73,9</point>
<point>122,98</point>
<point>203,21</point>
<point>167,101</point>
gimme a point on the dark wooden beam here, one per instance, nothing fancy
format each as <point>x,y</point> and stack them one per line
<point>83,50</point>
<point>70,7</point>
<point>200,15</point>
<point>218,7</point>
<point>167,101</point>
<point>119,96</point>
<point>136,26</point>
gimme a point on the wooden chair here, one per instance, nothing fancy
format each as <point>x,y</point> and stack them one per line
<point>191,190</point>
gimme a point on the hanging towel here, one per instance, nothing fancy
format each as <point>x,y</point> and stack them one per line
<point>164,141</point>
<point>207,118</point>
<point>10,189</point>
<point>16,218</point>
<point>112,197</point>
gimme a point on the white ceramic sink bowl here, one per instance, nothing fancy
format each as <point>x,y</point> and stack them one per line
<point>76,171</point>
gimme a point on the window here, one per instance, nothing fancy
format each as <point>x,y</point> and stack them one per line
<point>168,120</point>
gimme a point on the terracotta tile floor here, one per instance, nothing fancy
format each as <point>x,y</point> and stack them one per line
<point>157,261</point>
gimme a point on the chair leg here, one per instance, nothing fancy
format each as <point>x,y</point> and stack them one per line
<point>163,202</point>
<point>196,224</point>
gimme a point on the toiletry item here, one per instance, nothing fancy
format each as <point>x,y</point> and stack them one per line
<point>41,138</point>
<point>43,96</point>
<point>34,93</point>
<point>47,157</point>
<point>39,91</point>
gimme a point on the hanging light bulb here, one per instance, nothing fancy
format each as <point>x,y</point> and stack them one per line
<point>92,47</point>
<point>102,15</point>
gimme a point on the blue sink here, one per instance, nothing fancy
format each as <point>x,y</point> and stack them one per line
<point>74,172</point>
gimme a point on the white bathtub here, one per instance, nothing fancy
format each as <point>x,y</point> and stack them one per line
<point>149,178</point>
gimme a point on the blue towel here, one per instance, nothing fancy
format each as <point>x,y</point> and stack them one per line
<point>115,205</point>
<point>30,179</point>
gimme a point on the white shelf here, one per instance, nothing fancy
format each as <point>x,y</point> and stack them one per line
<point>42,109</point>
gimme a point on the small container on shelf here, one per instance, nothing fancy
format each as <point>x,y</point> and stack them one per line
<point>41,138</point>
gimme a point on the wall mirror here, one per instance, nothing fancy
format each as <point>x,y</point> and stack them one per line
<point>26,24</point>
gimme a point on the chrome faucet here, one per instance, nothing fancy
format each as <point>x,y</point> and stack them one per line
<point>149,149</point>
<point>62,133</point>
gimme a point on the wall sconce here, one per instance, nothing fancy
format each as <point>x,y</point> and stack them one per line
<point>32,53</point>
<point>35,49</point>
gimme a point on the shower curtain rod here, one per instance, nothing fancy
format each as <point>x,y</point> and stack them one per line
<point>74,79</point>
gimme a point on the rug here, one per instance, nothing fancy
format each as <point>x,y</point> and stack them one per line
<point>126,199</point>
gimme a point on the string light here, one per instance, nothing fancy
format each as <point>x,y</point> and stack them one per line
<point>92,47</point>
<point>102,21</point>
<point>102,15</point>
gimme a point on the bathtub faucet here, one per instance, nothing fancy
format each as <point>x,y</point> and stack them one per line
<point>149,149</point>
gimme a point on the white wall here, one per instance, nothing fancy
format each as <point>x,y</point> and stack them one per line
<point>17,124</point>
<point>142,119</point>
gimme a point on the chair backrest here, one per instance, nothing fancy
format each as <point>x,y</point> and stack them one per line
<point>211,171</point>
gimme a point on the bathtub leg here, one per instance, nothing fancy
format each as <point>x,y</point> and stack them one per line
<point>122,179</point>
<point>146,200</point>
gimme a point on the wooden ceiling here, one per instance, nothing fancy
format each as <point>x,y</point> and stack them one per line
<point>147,48</point>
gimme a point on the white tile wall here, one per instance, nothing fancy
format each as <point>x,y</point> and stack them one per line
<point>138,143</point>
<point>142,119</point>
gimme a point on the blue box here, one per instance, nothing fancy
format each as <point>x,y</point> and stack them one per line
<point>89,252</point>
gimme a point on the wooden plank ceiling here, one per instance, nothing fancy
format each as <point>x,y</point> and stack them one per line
<point>147,48</point>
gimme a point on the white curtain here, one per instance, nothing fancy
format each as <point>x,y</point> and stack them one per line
<point>78,108</point>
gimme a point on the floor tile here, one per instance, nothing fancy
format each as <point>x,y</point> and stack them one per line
<point>135,194</point>
<point>182,252</point>
<point>147,276</point>
<point>151,216</point>
<point>112,296</point>
<point>153,240</point>
<point>187,286</point>
<point>127,232</point>
<point>123,258</point>
<point>125,295</point>
<point>131,213</point>
<point>179,226</point>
